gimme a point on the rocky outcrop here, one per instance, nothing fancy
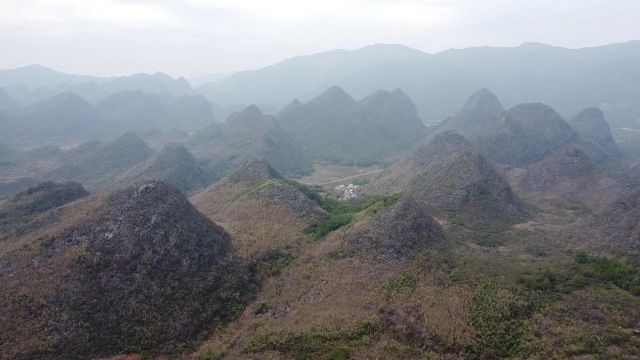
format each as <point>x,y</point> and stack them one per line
<point>252,173</point>
<point>256,180</point>
<point>262,210</point>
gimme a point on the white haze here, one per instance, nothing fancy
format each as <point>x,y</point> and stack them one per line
<point>195,37</point>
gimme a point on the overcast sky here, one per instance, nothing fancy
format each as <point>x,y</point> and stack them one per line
<point>192,37</point>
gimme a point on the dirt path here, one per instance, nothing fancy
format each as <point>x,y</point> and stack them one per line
<point>346,178</point>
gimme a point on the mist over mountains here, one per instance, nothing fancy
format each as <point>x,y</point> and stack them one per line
<point>569,80</point>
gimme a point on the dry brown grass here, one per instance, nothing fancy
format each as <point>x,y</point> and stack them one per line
<point>323,292</point>
<point>22,295</point>
<point>257,225</point>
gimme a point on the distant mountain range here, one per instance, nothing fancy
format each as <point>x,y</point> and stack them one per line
<point>569,80</point>
<point>34,82</point>
<point>68,118</point>
<point>101,166</point>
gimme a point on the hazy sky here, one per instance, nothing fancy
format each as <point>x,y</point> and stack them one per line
<point>191,37</point>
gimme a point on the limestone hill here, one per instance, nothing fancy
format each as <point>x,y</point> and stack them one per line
<point>592,126</point>
<point>400,232</point>
<point>140,270</point>
<point>479,111</point>
<point>97,165</point>
<point>334,127</point>
<point>174,164</point>
<point>525,134</point>
<point>245,136</point>
<point>450,177</point>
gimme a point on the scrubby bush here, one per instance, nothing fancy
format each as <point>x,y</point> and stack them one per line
<point>403,284</point>
<point>271,263</point>
<point>596,269</point>
<point>500,317</point>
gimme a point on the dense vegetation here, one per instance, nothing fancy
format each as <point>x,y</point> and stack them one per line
<point>341,212</point>
<point>587,271</point>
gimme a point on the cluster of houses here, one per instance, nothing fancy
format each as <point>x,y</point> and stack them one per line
<point>347,191</point>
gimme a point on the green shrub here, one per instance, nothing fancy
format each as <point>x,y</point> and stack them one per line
<point>211,355</point>
<point>594,269</point>
<point>587,270</point>
<point>340,354</point>
<point>405,283</point>
<point>578,281</point>
<point>271,263</point>
<point>582,258</point>
<point>500,318</point>
<point>588,345</point>
<point>546,280</point>
<point>262,308</point>
<point>329,224</point>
